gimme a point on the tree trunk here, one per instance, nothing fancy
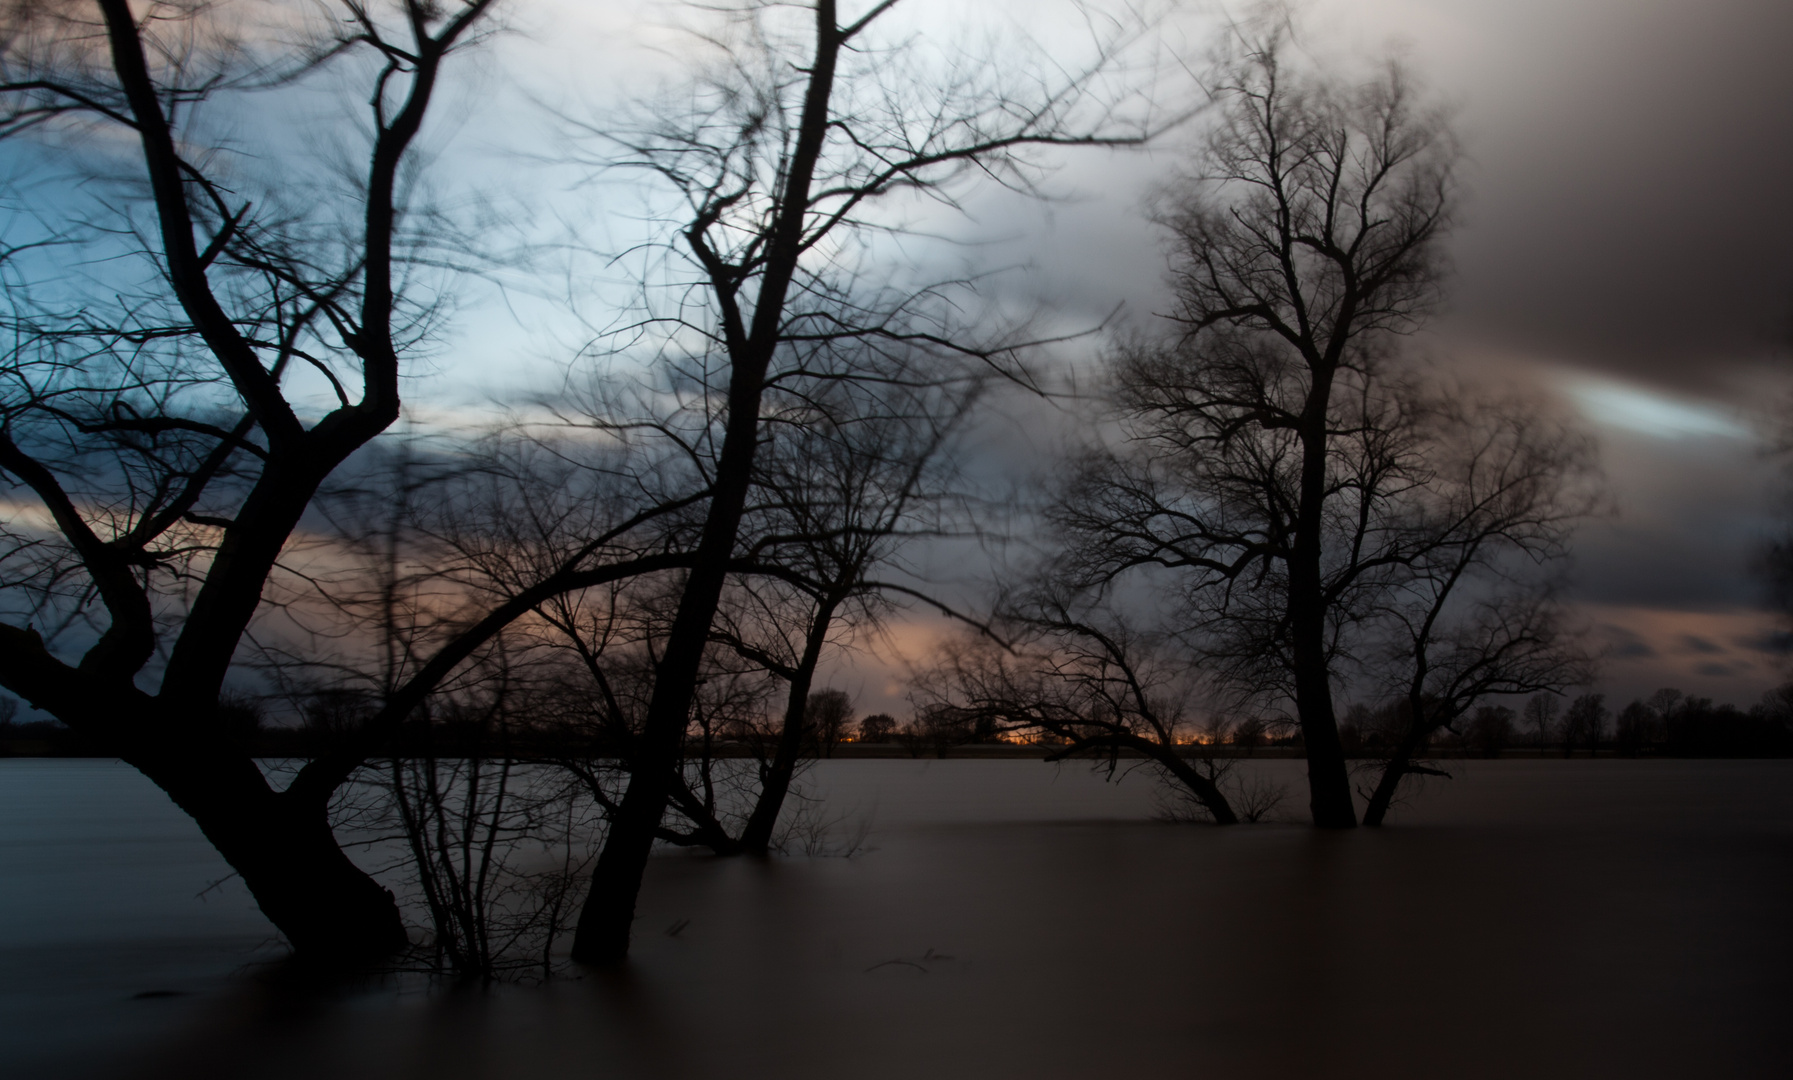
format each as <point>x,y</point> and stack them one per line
<point>1328,780</point>
<point>1419,724</point>
<point>332,913</point>
<point>602,936</point>
<point>756,838</point>
<point>1328,783</point>
<point>1396,771</point>
<point>1204,789</point>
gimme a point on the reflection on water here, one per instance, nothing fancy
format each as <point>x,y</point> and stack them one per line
<point>1531,918</point>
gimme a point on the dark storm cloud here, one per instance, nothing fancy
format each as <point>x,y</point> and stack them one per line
<point>1626,203</point>
<point>1626,245</point>
<point>1771,642</point>
<point>1630,207</point>
<point>1625,643</point>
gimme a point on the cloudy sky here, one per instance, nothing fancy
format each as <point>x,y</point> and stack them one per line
<point>1627,247</point>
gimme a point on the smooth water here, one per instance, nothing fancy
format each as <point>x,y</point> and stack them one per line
<point>1007,919</point>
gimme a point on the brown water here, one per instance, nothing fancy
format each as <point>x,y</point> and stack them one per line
<point>1531,918</point>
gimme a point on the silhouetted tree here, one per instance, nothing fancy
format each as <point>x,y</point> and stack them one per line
<point>497,837</point>
<point>915,736</point>
<point>149,403</point>
<point>335,713</point>
<point>1541,711</point>
<point>1585,721</point>
<point>840,490</point>
<point>1087,680</point>
<point>1474,613</point>
<point>1305,239</point>
<point>1634,729</point>
<point>876,728</point>
<point>852,467</point>
<point>1695,727</point>
<point>499,844</point>
<point>830,716</point>
<point>778,162</point>
<point>1248,734</point>
<point>1665,701</point>
<point>938,728</point>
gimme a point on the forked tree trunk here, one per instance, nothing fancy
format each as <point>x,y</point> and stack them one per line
<point>602,935</point>
<point>1420,723</point>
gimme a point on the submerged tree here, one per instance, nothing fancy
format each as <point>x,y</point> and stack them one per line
<point>808,125</point>
<point>777,165</point>
<point>1264,465</point>
<point>842,483</point>
<point>498,841</point>
<point>153,401</point>
<point>496,837</point>
<point>1475,612</point>
<point>839,495</point>
<point>1089,683</point>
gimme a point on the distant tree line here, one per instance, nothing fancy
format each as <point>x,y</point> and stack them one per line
<point>1666,724</point>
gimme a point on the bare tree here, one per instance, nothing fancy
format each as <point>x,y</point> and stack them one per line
<point>1541,711</point>
<point>1475,612</point>
<point>1090,682</point>
<point>1635,728</point>
<point>498,841</point>
<point>1260,465</point>
<point>1666,700</point>
<point>778,164</point>
<point>830,713</point>
<point>497,838</point>
<point>876,728</point>
<point>1585,719</point>
<point>777,173</point>
<point>150,412</point>
<point>841,494</point>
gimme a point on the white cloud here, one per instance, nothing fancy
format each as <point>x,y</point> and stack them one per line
<point>1631,408</point>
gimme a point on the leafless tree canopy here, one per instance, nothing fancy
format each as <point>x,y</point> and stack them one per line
<point>1296,477</point>
<point>809,123</point>
<point>166,322</point>
<point>1086,680</point>
<point>1477,610</point>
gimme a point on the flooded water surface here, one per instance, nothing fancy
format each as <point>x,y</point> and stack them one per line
<point>1002,919</point>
